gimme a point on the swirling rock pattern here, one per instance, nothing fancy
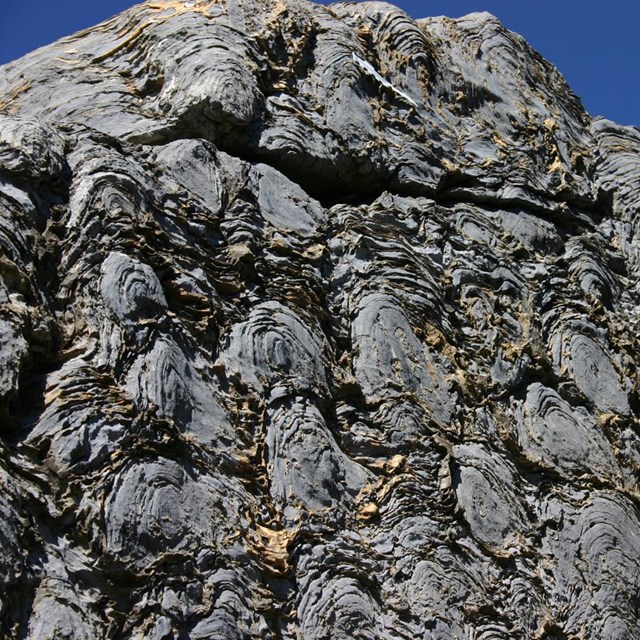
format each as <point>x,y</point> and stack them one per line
<point>315,322</point>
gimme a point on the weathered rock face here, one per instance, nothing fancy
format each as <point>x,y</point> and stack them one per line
<point>315,323</point>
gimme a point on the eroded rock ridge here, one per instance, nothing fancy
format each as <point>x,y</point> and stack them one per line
<point>315,322</point>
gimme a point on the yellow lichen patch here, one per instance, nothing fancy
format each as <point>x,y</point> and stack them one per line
<point>556,166</point>
<point>51,396</point>
<point>272,547</point>
<point>386,488</point>
<point>367,511</point>
<point>239,252</point>
<point>14,94</point>
<point>364,35</point>
<point>395,463</point>
<point>314,252</point>
<point>499,141</point>
<point>371,496</point>
<point>172,8</point>
<point>184,7</point>
<point>67,61</point>
<point>449,166</point>
<point>130,38</point>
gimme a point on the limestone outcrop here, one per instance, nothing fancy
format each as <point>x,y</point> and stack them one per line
<point>315,322</point>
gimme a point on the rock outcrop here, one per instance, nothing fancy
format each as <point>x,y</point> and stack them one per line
<point>316,322</point>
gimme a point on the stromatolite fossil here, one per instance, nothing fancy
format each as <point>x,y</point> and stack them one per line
<point>316,322</point>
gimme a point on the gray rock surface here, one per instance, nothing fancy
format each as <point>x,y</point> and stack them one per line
<point>315,322</point>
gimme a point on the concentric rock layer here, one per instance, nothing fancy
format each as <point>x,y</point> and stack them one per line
<point>315,323</point>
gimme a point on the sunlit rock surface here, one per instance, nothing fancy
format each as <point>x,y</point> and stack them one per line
<point>315,323</point>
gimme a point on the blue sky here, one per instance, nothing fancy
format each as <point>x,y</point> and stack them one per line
<point>595,44</point>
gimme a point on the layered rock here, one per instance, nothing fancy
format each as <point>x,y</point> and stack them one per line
<point>317,322</point>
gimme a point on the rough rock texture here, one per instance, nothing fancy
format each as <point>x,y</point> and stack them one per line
<point>316,322</point>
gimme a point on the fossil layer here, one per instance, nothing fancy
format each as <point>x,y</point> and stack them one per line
<point>316,322</point>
